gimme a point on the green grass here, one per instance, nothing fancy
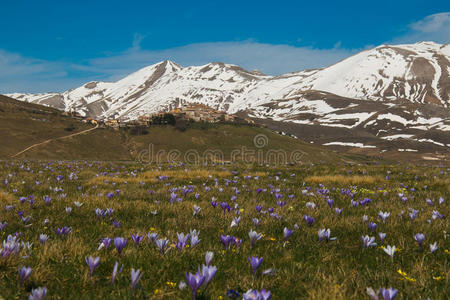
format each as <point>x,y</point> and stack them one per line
<point>305,269</point>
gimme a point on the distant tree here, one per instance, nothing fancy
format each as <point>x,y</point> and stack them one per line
<point>181,124</point>
<point>70,128</point>
<point>169,119</point>
<point>139,130</point>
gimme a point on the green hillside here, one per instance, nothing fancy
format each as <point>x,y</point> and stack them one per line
<point>23,125</point>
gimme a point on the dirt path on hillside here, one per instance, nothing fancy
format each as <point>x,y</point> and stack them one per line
<point>49,140</point>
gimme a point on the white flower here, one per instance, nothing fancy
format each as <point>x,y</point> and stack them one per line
<point>389,250</point>
<point>433,247</point>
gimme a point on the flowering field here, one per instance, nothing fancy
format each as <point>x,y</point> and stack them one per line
<point>85,230</point>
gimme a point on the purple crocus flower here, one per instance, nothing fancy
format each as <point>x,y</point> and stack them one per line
<point>162,244</point>
<point>373,226</point>
<point>384,215</point>
<point>382,236</point>
<point>413,214</point>
<point>43,238</point>
<point>208,257</point>
<point>435,214</point>
<point>226,241</point>
<point>195,281</point>
<point>338,210</point>
<point>224,206</point>
<point>308,219</point>
<point>25,219</point>
<point>47,199</point>
<point>152,236</point>
<point>232,294</point>
<point>137,239</point>
<point>208,272</point>
<point>38,293</point>
<point>24,273</point>
<point>194,237</point>
<point>3,226</point>
<point>116,224</point>
<point>388,294</point>
<point>182,240</point>
<point>255,263</point>
<point>258,208</point>
<point>256,295</point>
<point>236,221</point>
<point>281,203</point>
<point>286,233</point>
<point>99,213</point>
<point>135,277</point>
<point>116,272</point>
<point>433,247</point>
<point>92,264</point>
<point>330,202</point>
<point>419,237</point>
<point>105,242</point>
<point>63,231</point>
<point>196,210</point>
<point>120,243</point>
<point>254,236</point>
<point>368,241</point>
<point>324,234</point>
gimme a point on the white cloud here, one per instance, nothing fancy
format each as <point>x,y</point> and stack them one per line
<point>434,28</point>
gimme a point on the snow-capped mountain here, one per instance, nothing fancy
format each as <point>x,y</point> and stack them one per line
<point>360,92</point>
<point>417,73</point>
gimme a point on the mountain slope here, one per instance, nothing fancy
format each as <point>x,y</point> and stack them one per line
<point>382,92</point>
<point>24,124</point>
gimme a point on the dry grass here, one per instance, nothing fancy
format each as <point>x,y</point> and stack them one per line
<point>344,180</point>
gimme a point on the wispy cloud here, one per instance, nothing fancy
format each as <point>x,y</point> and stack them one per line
<point>270,59</point>
<point>23,74</point>
<point>434,28</point>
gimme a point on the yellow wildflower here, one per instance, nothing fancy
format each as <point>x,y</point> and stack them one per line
<point>399,271</point>
<point>171,284</point>
<point>157,292</point>
<point>437,278</point>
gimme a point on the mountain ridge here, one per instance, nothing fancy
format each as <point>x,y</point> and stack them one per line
<point>387,92</point>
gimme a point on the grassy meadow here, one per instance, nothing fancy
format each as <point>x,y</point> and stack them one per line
<point>153,203</point>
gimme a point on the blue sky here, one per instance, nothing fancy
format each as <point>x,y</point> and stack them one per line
<point>57,45</point>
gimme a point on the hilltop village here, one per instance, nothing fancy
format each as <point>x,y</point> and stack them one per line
<point>181,115</point>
